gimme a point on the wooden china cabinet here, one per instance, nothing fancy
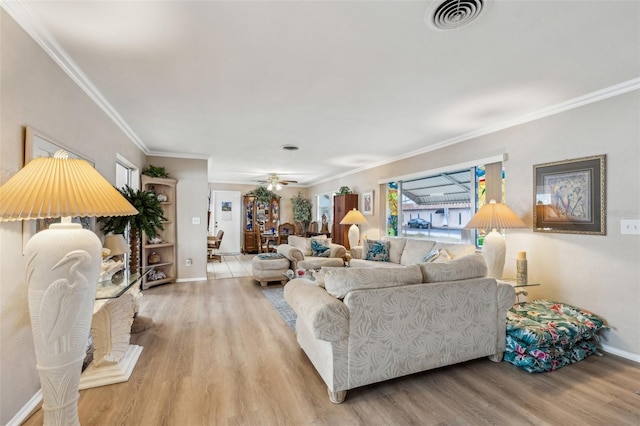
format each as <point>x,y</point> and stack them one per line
<point>341,206</point>
<point>258,217</point>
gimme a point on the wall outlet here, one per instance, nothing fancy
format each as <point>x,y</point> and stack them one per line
<point>189,262</point>
<point>630,226</point>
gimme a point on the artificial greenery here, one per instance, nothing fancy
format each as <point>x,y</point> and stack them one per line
<point>301,209</point>
<point>344,190</point>
<point>148,220</point>
<point>263,195</point>
<point>155,171</point>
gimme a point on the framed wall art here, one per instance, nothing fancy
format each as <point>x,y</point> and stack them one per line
<point>367,203</point>
<point>569,196</point>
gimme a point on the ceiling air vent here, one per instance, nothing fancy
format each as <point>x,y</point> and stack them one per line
<point>453,14</point>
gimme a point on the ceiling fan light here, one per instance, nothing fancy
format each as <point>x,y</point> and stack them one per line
<point>270,187</point>
<point>278,187</point>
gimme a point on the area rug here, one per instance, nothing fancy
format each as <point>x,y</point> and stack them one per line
<point>275,295</point>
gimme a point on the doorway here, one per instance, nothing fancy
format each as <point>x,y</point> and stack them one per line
<point>225,215</point>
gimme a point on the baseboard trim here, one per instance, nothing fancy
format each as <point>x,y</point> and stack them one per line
<point>185,280</point>
<point>26,411</point>
<point>624,354</point>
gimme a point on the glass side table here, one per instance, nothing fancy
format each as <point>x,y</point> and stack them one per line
<point>521,289</point>
<point>116,303</point>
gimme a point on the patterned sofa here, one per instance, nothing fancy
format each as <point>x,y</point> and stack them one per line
<point>393,252</point>
<point>373,324</point>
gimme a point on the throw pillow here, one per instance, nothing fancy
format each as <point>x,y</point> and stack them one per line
<point>320,248</point>
<point>437,256</point>
<point>377,250</point>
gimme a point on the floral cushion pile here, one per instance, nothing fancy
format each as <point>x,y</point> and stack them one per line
<point>544,336</point>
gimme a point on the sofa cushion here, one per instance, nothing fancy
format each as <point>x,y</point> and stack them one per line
<point>320,248</point>
<point>456,250</point>
<point>415,250</point>
<point>396,247</point>
<point>339,282</point>
<point>437,256</point>
<point>377,250</point>
<point>461,268</point>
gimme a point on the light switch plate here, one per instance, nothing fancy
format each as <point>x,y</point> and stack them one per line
<point>195,221</point>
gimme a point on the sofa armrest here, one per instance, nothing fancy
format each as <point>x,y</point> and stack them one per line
<point>292,253</point>
<point>356,252</point>
<point>325,315</point>
<point>337,250</point>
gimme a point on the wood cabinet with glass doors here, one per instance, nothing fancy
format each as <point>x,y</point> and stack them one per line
<point>258,217</point>
<point>162,253</point>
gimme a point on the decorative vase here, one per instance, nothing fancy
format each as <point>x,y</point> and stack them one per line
<point>521,268</point>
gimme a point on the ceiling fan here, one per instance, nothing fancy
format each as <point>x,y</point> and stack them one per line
<point>275,182</point>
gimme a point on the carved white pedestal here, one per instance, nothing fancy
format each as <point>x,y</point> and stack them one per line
<point>113,357</point>
<point>109,374</point>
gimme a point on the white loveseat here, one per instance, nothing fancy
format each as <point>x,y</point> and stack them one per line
<point>300,252</point>
<point>373,324</point>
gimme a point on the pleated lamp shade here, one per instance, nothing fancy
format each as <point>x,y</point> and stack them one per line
<point>353,217</point>
<point>495,216</point>
<point>58,187</point>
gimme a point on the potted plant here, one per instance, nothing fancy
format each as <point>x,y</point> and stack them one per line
<point>301,210</point>
<point>148,220</point>
<point>155,171</point>
<point>263,195</point>
<point>344,190</point>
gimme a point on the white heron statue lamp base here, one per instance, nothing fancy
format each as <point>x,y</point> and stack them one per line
<point>62,269</point>
<point>62,266</point>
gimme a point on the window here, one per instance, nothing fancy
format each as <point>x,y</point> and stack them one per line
<point>324,205</point>
<point>438,205</point>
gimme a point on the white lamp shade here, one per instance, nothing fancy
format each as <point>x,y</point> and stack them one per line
<point>116,244</point>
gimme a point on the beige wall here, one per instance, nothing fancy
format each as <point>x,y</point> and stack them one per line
<point>191,194</point>
<point>36,92</point>
<point>598,273</point>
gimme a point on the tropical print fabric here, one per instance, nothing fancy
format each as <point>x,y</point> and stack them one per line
<point>544,336</point>
<point>320,248</point>
<point>377,250</point>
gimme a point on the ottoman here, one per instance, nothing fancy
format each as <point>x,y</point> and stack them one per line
<point>269,267</point>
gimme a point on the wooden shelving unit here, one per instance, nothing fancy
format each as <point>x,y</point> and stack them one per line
<point>167,248</point>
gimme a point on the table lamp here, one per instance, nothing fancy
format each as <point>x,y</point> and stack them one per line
<point>353,218</point>
<point>62,265</point>
<point>494,216</point>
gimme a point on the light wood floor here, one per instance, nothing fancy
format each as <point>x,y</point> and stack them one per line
<point>219,354</point>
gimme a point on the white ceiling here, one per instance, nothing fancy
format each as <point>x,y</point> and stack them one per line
<point>353,83</point>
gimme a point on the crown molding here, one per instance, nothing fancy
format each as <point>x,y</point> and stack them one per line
<point>22,14</point>
<point>589,98</point>
<point>178,155</point>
